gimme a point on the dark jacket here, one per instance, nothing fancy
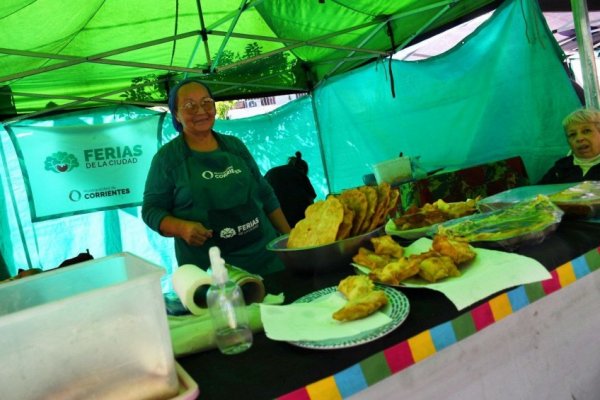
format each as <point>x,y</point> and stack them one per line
<point>564,171</point>
<point>293,189</point>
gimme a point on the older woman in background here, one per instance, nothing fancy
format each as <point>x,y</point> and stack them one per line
<point>204,189</point>
<point>582,129</point>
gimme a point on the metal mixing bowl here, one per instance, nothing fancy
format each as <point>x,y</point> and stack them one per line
<point>331,257</point>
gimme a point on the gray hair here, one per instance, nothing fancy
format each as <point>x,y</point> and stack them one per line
<point>582,116</point>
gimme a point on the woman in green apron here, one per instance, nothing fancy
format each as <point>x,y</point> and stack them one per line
<point>204,189</point>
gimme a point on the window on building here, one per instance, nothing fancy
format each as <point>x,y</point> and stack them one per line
<point>267,101</point>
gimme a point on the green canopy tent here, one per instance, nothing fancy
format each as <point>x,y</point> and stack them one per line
<point>461,101</point>
<point>89,52</point>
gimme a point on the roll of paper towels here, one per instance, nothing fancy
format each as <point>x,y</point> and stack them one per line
<point>253,288</point>
<point>191,284</point>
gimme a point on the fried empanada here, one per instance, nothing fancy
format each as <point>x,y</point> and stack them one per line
<point>386,245</point>
<point>362,306</point>
<point>395,272</point>
<point>369,259</point>
<point>434,268</point>
<point>355,286</point>
<point>456,248</point>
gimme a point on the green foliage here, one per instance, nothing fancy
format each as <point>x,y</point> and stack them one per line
<point>223,108</point>
<point>145,88</point>
<point>253,50</point>
<point>150,88</point>
<point>278,66</point>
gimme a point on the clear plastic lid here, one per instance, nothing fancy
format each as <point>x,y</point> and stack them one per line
<point>526,222</point>
<point>582,200</point>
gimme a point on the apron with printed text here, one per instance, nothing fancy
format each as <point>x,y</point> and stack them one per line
<point>227,186</point>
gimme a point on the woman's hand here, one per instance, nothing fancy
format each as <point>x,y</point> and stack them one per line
<point>194,233</point>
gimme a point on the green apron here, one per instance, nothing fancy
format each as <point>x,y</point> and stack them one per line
<point>228,188</point>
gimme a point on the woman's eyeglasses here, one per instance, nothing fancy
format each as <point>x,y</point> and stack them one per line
<point>191,107</point>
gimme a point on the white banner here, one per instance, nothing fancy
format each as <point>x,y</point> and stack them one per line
<point>77,169</point>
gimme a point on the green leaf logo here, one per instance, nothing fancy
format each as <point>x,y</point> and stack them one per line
<point>61,162</point>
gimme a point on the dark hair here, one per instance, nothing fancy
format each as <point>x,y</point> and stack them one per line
<point>298,162</point>
<point>173,99</point>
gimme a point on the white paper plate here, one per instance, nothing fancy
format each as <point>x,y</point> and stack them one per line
<point>397,309</point>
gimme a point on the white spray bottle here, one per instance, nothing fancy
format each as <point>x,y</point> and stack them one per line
<point>227,308</point>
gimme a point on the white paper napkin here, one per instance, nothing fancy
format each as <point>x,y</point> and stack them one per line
<point>313,321</point>
<point>490,272</point>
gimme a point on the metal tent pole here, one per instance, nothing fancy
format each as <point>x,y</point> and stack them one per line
<point>74,60</point>
<point>11,190</point>
<point>228,35</point>
<point>313,101</point>
<point>586,52</point>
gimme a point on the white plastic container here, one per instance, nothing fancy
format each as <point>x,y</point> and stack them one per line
<point>393,171</point>
<point>92,330</point>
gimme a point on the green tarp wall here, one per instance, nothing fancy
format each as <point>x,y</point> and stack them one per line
<point>502,92</point>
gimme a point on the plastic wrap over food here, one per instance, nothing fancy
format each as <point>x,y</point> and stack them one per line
<point>523,223</point>
<point>418,222</point>
<point>510,197</point>
<point>581,200</point>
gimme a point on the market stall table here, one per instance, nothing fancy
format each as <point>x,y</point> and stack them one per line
<point>272,369</point>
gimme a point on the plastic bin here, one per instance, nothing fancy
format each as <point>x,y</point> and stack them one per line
<point>393,171</point>
<point>92,330</point>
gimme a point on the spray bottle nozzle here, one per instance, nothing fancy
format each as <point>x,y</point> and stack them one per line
<point>217,265</point>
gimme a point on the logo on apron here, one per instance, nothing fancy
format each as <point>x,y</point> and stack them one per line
<point>227,188</point>
<point>228,233</point>
<point>220,175</point>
